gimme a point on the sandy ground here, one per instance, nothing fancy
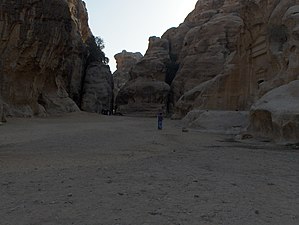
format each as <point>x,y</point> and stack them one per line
<point>90,170</point>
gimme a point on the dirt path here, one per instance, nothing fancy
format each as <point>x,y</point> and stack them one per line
<point>86,169</point>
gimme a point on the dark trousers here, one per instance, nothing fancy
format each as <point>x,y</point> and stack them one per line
<point>160,124</point>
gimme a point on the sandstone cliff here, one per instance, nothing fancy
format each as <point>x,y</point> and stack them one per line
<point>125,62</point>
<point>237,55</point>
<point>146,92</point>
<point>97,88</point>
<point>43,55</point>
<point>226,55</point>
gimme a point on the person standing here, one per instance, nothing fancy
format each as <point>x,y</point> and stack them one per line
<point>160,119</point>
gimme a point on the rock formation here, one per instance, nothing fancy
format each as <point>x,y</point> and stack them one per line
<point>276,114</point>
<point>213,121</point>
<point>125,62</point>
<point>260,54</point>
<point>44,51</point>
<point>241,51</point>
<point>147,92</point>
<point>98,89</point>
<point>225,56</point>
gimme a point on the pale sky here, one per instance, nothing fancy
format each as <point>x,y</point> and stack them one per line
<point>127,24</point>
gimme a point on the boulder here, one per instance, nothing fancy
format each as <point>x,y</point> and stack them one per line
<point>229,122</point>
<point>276,114</point>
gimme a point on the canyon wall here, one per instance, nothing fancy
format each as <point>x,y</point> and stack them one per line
<point>242,50</point>
<point>43,56</point>
<point>226,55</point>
<point>97,92</point>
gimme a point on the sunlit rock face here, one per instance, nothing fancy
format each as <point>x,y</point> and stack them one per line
<point>125,62</point>
<point>43,55</point>
<point>146,92</point>
<point>80,18</point>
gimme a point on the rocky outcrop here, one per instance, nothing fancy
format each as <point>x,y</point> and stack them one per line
<point>125,62</point>
<point>43,55</point>
<point>228,122</point>
<point>241,51</point>
<point>143,97</point>
<point>147,92</point>
<point>276,115</point>
<point>227,55</point>
<point>98,89</point>
<point>80,18</point>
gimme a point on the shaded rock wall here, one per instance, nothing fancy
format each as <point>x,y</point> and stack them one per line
<point>43,55</point>
<point>146,93</point>
<point>226,55</point>
<point>260,59</point>
<point>98,88</point>
<point>125,62</point>
<point>2,112</point>
<point>237,55</point>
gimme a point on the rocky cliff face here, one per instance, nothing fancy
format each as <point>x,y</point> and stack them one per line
<point>228,54</point>
<point>125,62</point>
<point>233,53</point>
<point>146,92</point>
<point>97,88</point>
<point>43,55</point>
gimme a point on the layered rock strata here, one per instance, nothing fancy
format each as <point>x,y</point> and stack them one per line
<point>97,89</point>
<point>240,52</point>
<point>146,92</point>
<point>226,55</point>
<point>43,55</point>
<point>125,62</point>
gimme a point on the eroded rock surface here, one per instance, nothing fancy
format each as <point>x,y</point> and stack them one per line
<point>143,97</point>
<point>98,88</point>
<point>276,115</point>
<point>146,92</point>
<point>125,62</point>
<point>43,55</point>
<point>227,54</point>
<point>236,53</point>
<point>215,121</point>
